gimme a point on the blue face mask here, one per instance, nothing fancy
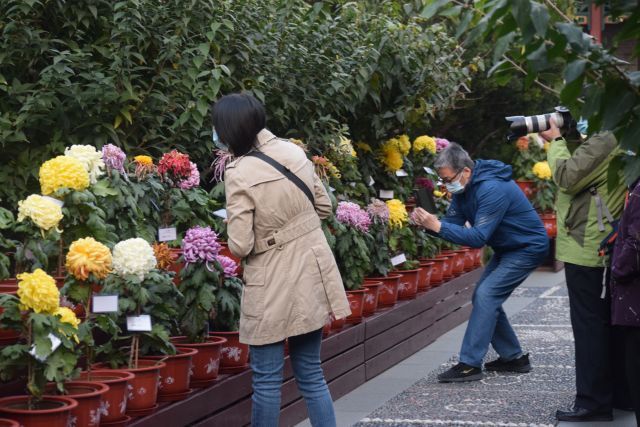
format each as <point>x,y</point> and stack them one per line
<point>454,187</point>
<point>216,141</point>
<point>582,125</point>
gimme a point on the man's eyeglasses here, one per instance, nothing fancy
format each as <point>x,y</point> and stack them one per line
<point>450,180</point>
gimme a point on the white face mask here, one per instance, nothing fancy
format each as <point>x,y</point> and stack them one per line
<point>455,187</point>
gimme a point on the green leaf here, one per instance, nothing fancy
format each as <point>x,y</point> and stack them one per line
<point>574,70</point>
<point>631,135</point>
<point>433,6</point>
<point>502,45</point>
<point>540,18</point>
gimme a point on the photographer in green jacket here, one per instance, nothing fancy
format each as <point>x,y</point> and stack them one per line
<point>585,209</point>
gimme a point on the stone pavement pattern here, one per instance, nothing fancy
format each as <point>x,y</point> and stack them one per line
<point>409,394</point>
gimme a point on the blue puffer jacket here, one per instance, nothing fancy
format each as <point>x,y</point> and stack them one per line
<point>498,211</point>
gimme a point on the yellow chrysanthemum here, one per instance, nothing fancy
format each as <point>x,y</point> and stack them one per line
<point>438,193</point>
<point>364,147</point>
<point>45,213</point>
<point>67,316</point>
<point>88,256</point>
<point>346,147</point>
<point>404,144</point>
<point>398,215</point>
<point>546,146</point>
<point>91,160</point>
<point>38,292</point>
<point>144,160</point>
<point>391,158</point>
<point>424,142</point>
<point>63,172</point>
<point>542,170</point>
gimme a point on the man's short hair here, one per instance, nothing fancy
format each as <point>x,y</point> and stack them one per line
<point>455,157</point>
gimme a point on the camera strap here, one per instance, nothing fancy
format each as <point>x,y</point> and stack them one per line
<point>601,208</point>
<point>286,172</point>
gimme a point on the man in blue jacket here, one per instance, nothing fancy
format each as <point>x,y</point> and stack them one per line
<point>488,208</point>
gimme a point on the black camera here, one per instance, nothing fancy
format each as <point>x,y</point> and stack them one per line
<point>523,125</point>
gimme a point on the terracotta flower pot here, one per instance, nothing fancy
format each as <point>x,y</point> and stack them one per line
<point>175,376</point>
<point>326,329</point>
<point>356,303</point>
<point>371,298</point>
<point>458,262</point>
<point>388,294</point>
<point>527,187</point>
<point>143,389</point>
<point>9,286</point>
<point>424,277</point>
<point>234,356</point>
<point>469,259</point>
<point>4,422</point>
<point>88,394</point>
<point>550,223</point>
<point>408,287</point>
<point>447,266</point>
<point>205,364</point>
<point>477,262</point>
<point>437,270</point>
<point>51,411</point>
<point>114,401</point>
<point>337,324</point>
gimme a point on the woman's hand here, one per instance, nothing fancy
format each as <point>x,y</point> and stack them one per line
<point>427,220</point>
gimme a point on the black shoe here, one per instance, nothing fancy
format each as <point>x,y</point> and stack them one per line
<point>521,364</point>
<point>577,415</point>
<point>460,373</point>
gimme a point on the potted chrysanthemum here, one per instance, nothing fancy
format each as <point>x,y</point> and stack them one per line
<point>200,279</point>
<point>402,243</point>
<point>148,304</point>
<point>352,249</point>
<point>379,275</point>
<point>544,199</point>
<point>47,353</point>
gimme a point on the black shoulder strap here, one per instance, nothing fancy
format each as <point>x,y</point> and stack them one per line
<point>286,172</point>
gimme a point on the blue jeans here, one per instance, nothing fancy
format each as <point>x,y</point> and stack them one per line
<point>267,362</point>
<point>488,323</point>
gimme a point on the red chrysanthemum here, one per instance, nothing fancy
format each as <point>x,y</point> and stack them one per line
<point>175,165</point>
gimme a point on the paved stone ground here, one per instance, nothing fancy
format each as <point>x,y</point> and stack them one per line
<point>500,399</point>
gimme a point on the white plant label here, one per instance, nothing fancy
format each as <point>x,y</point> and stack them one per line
<point>371,181</point>
<point>332,189</point>
<point>386,194</point>
<point>429,170</point>
<point>105,304</point>
<point>55,343</point>
<point>352,184</point>
<point>54,200</point>
<point>167,234</point>
<point>401,172</point>
<point>398,259</point>
<point>140,323</point>
<point>222,213</point>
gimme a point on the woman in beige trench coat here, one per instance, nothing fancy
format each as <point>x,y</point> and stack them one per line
<point>292,283</point>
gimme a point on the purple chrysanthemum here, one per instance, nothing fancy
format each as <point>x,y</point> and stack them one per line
<point>351,214</point>
<point>422,182</point>
<point>378,211</point>
<point>441,144</point>
<point>223,157</point>
<point>193,180</point>
<point>229,266</point>
<point>200,244</point>
<point>113,157</point>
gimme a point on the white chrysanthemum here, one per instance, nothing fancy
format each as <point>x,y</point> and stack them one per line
<point>133,256</point>
<point>91,159</point>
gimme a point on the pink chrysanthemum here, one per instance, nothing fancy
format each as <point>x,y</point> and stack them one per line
<point>441,144</point>
<point>229,266</point>
<point>223,157</point>
<point>378,211</point>
<point>200,244</point>
<point>351,214</point>
<point>422,182</point>
<point>193,180</point>
<point>113,157</point>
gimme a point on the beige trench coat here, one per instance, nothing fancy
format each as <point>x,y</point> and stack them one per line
<point>292,282</point>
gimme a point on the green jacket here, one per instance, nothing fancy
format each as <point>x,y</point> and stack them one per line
<point>576,173</point>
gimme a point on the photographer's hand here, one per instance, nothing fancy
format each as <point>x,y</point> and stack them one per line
<point>552,133</point>
<point>427,220</point>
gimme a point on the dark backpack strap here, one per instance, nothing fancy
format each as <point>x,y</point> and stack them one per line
<point>286,172</point>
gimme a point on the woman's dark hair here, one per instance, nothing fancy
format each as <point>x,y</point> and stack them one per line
<point>238,118</point>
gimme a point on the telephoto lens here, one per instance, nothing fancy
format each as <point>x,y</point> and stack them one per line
<point>523,125</point>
